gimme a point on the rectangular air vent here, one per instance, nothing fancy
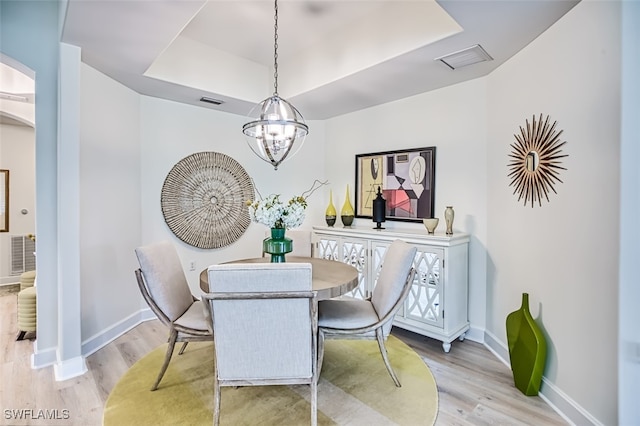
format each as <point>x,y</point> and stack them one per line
<point>464,57</point>
<point>211,100</point>
<point>21,256</point>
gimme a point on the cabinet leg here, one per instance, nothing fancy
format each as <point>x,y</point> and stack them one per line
<point>446,346</point>
<point>462,336</point>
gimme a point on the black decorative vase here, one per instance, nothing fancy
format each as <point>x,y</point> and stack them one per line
<point>379,210</point>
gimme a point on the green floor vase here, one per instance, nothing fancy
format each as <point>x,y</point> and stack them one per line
<point>527,349</point>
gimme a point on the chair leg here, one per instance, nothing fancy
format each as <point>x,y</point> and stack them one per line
<point>314,403</point>
<point>320,351</point>
<point>172,342</point>
<point>184,346</point>
<point>385,356</point>
<point>216,397</point>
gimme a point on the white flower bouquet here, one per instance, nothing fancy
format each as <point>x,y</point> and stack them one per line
<point>275,214</point>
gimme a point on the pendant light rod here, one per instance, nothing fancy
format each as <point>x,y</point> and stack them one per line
<point>277,130</point>
<point>275,49</point>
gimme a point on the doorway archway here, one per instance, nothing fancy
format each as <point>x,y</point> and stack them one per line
<point>17,159</point>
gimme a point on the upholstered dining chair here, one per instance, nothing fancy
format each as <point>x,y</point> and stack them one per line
<point>164,287</point>
<point>302,245</point>
<point>370,319</point>
<point>264,322</point>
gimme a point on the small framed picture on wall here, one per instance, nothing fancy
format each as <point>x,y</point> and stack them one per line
<point>406,179</point>
<point>4,200</point>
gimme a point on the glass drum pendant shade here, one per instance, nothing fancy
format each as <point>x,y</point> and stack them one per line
<point>276,131</point>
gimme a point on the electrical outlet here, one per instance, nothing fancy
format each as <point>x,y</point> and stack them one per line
<point>192,265</point>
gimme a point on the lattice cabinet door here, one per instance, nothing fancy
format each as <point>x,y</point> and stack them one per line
<point>354,252</point>
<point>327,248</point>
<point>426,298</point>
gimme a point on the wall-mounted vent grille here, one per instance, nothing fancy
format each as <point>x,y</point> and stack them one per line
<point>464,57</point>
<point>22,254</point>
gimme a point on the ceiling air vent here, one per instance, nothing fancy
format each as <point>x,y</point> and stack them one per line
<point>211,100</point>
<point>464,57</point>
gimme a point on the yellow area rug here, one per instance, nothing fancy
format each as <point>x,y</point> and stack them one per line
<point>354,389</point>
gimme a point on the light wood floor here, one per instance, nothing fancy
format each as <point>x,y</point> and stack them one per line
<point>474,387</point>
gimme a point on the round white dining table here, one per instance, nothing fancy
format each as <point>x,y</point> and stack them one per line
<point>329,277</point>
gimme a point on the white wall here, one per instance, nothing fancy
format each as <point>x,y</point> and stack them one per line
<point>110,194</point>
<point>17,154</point>
<point>171,131</point>
<point>565,253</point>
<point>128,144</point>
<point>453,120</point>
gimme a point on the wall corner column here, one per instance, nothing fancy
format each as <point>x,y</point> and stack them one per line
<point>70,361</point>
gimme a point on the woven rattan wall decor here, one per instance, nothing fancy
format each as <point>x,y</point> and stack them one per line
<point>204,198</point>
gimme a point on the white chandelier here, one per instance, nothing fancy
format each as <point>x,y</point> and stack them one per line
<point>277,130</point>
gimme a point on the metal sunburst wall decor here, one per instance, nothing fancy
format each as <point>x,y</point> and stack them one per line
<point>204,198</point>
<point>535,161</point>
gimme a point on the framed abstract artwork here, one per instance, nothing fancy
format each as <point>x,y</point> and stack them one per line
<point>4,200</point>
<point>406,178</point>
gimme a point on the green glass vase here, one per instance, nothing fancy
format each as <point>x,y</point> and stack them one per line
<point>277,245</point>
<point>347,214</point>
<point>330,214</point>
<point>527,349</point>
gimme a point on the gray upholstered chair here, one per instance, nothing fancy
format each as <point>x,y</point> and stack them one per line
<point>302,245</point>
<point>164,287</point>
<point>264,320</point>
<point>370,319</point>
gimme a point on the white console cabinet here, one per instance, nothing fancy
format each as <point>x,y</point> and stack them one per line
<point>437,303</point>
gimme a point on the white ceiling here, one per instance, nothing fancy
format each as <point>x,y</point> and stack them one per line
<point>16,94</point>
<point>334,57</point>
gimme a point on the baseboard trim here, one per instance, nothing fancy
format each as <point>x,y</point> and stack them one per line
<point>47,357</point>
<point>475,334</point>
<point>497,347</point>
<point>147,315</point>
<point>69,368</point>
<point>41,359</point>
<point>570,410</point>
<point>561,403</point>
<point>108,335</point>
